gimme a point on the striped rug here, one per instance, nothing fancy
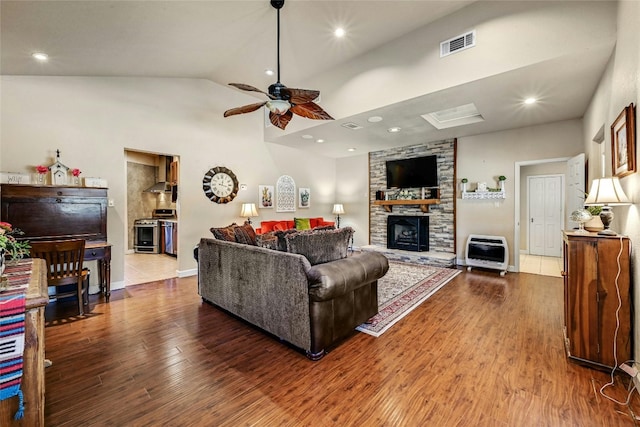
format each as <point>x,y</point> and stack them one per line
<point>403,288</point>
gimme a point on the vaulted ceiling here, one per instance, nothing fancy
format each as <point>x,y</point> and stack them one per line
<point>387,65</point>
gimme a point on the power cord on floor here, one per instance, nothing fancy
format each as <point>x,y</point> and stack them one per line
<point>615,339</point>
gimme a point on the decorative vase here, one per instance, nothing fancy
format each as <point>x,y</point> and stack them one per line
<point>501,185</point>
<point>594,224</point>
<point>40,178</point>
<point>464,187</point>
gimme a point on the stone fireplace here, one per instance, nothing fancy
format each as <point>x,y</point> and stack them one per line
<point>408,233</point>
<point>441,225</point>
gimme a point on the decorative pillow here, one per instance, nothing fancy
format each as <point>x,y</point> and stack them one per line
<point>281,226</point>
<point>320,246</point>
<point>280,235</point>
<point>267,240</point>
<point>225,233</point>
<point>245,234</point>
<point>302,223</point>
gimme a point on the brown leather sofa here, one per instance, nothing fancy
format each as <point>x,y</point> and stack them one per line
<point>310,307</point>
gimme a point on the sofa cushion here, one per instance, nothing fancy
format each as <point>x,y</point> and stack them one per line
<point>268,240</point>
<point>280,236</point>
<point>320,246</point>
<point>245,234</point>
<point>267,226</point>
<point>302,223</point>
<point>225,233</point>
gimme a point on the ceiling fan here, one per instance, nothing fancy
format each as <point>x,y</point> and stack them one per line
<point>283,101</point>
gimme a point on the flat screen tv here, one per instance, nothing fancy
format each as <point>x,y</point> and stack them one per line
<point>415,172</point>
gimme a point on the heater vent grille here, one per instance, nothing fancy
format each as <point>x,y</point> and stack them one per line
<point>458,43</point>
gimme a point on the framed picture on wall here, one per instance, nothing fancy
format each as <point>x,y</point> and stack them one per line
<point>265,196</point>
<point>623,144</point>
<point>304,197</point>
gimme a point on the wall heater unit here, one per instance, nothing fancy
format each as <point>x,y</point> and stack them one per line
<point>488,252</point>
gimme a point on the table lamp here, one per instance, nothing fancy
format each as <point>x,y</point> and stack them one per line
<point>606,192</point>
<point>248,211</point>
<point>338,210</point>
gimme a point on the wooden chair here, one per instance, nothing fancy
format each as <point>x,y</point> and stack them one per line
<point>64,260</point>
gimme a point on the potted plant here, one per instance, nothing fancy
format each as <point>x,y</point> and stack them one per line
<point>595,223</point>
<point>501,180</point>
<point>10,247</point>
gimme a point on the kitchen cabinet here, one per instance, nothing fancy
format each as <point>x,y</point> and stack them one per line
<point>592,283</point>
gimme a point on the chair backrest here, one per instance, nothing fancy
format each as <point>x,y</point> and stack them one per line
<point>64,259</point>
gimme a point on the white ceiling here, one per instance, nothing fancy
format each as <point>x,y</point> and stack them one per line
<point>227,41</point>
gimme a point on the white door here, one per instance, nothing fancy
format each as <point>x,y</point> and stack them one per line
<point>545,215</point>
<point>575,187</point>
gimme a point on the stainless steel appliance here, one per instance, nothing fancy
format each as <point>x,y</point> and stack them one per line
<point>147,231</point>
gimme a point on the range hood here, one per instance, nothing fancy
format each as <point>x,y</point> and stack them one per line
<point>159,187</point>
<point>162,186</point>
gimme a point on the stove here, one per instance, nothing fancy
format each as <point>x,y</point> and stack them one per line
<point>147,231</point>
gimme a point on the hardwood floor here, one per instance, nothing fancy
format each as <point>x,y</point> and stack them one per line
<point>485,350</point>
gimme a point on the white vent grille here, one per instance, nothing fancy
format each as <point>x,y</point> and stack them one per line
<point>351,125</point>
<point>458,43</point>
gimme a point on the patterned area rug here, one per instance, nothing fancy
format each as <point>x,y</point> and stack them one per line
<point>403,288</point>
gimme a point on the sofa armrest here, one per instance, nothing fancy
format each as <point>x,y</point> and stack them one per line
<point>333,279</point>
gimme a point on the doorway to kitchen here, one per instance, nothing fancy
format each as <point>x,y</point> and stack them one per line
<point>152,220</point>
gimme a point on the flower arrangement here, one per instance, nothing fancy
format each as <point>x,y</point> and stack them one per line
<point>502,178</point>
<point>76,172</point>
<point>13,248</point>
<point>465,180</point>
<point>42,169</point>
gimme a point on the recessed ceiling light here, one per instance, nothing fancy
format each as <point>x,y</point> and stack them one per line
<point>351,149</point>
<point>339,32</point>
<point>393,129</point>
<point>269,72</point>
<point>40,56</point>
<point>374,119</point>
<point>307,136</point>
<point>319,141</point>
<point>530,101</point>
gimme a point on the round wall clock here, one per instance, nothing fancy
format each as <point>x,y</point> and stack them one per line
<point>220,185</point>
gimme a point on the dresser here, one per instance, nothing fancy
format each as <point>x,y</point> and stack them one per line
<point>48,212</point>
<point>33,356</point>
<point>591,299</point>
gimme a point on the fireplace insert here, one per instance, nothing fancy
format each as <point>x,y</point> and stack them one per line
<point>409,233</point>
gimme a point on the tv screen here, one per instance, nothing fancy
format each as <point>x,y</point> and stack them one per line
<point>416,172</point>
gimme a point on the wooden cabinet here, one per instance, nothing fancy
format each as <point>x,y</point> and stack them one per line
<point>33,356</point>
<point>592,295</point>
<point>54,212</point>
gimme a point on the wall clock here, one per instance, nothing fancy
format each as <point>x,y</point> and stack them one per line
<point>220,185</point>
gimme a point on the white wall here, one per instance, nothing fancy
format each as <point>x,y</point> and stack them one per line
<point>482,158</point>
<point>94,120</point>
<point>619,87</point>
<point>352,190</point>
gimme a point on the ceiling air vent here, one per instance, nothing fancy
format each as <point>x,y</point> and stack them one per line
<point>351,125</point>
<point>458,43</point>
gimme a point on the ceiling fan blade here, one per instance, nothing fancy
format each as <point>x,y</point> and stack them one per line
<point>244,109</point>
<point>282,120</point>
<point>249,88</point>
<point>310,110</point>
<point>300,96</point>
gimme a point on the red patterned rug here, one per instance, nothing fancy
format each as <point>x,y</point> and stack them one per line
<point>403,288</point>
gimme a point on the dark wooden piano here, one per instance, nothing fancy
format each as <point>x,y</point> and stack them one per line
<point>58,212</point>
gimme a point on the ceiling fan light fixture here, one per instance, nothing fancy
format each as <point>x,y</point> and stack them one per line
<point>278,106</point>
<point>269,72</point>
<point>339,32</point>
<point>40,56</point>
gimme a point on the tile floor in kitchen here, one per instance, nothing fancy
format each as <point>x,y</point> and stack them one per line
<point>143,268</point>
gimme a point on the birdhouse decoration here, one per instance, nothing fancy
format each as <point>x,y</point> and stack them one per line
<point>59,172</point>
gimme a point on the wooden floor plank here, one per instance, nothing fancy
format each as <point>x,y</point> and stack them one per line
<point>485,350</point>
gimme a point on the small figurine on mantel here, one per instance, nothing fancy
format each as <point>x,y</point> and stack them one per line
<point>59,172</point>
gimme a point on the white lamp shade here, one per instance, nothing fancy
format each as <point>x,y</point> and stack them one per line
<point>248,210</point>
<point>338,209</point>
<point>606,191</point>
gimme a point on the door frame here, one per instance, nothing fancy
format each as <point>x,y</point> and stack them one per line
<point>516,203</point>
